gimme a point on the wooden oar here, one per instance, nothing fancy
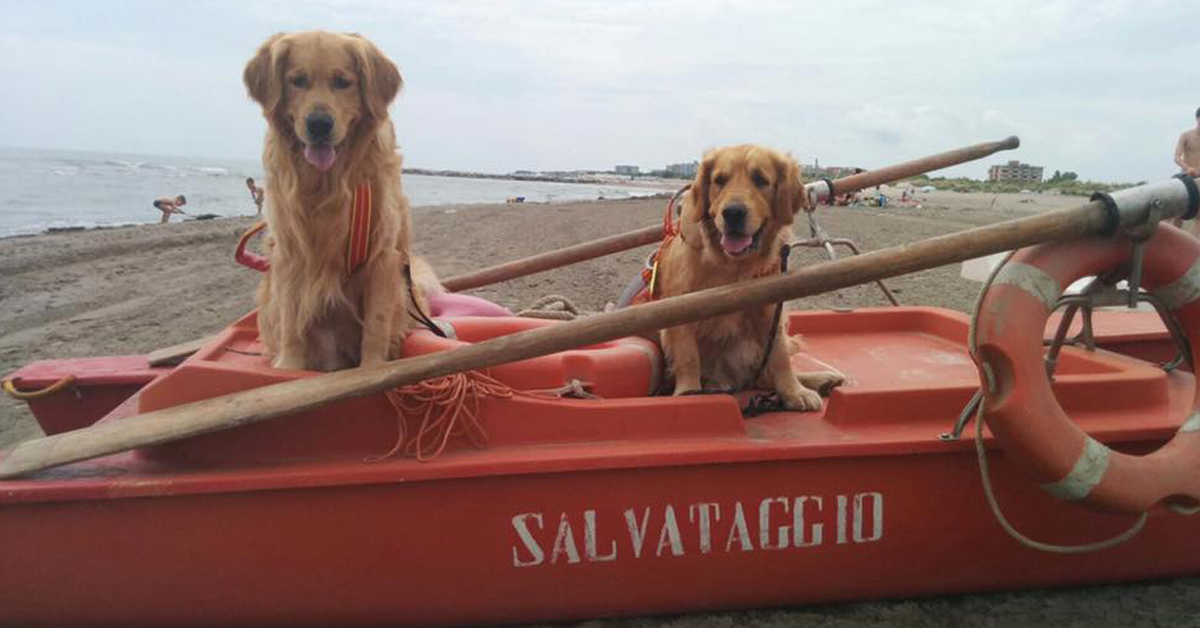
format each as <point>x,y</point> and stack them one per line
<point>174,354</point>
<point>263,403</point>
<point>649,235</point>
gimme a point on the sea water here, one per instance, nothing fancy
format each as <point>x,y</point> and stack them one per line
<point>54,189</point>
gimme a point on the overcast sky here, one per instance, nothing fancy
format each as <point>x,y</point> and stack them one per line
<point>1099,87</point>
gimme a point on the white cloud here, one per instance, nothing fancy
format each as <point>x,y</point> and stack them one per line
<point>1099,87</point>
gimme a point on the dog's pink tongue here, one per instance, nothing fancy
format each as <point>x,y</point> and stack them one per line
<point>734,244</point>
<point>320,156</point>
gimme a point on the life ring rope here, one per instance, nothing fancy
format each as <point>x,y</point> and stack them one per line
<point>1053,548</point>
<point>985,476</point>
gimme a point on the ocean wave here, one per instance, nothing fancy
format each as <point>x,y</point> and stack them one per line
<point>131,165</point>
<point>212,171</point>
<point>63,225</point>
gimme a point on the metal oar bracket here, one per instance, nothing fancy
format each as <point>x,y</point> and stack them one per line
<point>823,190</point>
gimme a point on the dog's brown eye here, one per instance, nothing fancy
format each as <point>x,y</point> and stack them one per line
<point>299,82</point>
<point>341,82</point>
<point>760,180</point>
<point>720,179</point>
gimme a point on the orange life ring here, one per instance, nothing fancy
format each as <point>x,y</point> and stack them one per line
<point>1021,410</point>
<point>626,367</point>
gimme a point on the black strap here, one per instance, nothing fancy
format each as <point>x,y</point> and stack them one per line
<point>829,186</point>
<point>768,402</point>
<point>1114,214</point>
<point>1193,195</point>
<point>419,314</point>
<point>762,403</point>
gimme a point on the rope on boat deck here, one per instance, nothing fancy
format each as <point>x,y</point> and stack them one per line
<point>553,307</point>
<point>448,406</point>
<point>985,474</point>
<point>445,406</point>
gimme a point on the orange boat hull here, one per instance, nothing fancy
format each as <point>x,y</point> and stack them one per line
<point>585,508</point>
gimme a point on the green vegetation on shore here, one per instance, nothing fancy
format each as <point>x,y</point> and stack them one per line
<point>1066,183</point>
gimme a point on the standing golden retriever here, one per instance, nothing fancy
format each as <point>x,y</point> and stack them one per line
<point>325,97</point>
<point>732,228</point>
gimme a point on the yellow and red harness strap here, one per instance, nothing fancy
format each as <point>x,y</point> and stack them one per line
<point>650,272</point>
<point>359,247</point>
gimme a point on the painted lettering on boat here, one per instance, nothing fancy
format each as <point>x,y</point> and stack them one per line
<point>671,530</point>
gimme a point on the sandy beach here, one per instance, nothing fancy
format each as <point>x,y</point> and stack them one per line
<point>134,289</point>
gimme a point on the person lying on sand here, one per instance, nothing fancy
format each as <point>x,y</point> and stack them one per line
<point>168,206</point>
<point>256,193</point>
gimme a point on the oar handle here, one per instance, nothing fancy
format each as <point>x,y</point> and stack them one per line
<point>888,174</point>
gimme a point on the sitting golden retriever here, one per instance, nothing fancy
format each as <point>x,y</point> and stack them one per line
<point>732,228</point>
<point>337,294</point>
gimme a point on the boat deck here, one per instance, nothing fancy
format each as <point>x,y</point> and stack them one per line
<point>908,377</point>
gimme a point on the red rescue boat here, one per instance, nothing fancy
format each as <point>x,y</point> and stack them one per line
<point>552,508</point>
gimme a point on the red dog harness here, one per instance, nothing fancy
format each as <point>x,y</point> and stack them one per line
<point>650,272</point>
<point>358,246</point>
<point>671,230</point>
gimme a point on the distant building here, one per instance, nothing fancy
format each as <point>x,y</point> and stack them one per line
<point>683,171</point>
<point>629,170</point>
<point>816,171</point>
<point>1015,171</point>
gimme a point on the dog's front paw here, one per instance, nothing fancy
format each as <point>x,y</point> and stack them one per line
<point>687,387</point>
<point>803,400</point>
<point>823,381</point>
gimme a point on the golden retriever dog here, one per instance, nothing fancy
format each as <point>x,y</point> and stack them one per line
<point>325,97</point>
<point>732,227</point>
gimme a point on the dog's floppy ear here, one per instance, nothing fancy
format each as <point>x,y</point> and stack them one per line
<point>378,77</point>
<point>263,75</point>
<point>696,207</point>
<point>790,195</point>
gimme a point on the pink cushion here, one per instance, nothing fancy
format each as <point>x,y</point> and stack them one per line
<point>449,304</point>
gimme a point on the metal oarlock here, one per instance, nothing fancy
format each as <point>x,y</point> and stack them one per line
<point>1135,272</point>
<point>819,239</point>
<point>1101,293</point>
<point>1139,234</point>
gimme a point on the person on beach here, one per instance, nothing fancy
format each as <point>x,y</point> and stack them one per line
<point>1187,157</point>
<point>1187,150</point>
<point>168,206</point>
<point>256,193</point>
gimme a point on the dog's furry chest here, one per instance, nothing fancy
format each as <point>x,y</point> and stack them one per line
<point>731,347</point>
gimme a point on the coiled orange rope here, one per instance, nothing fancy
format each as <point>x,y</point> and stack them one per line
<point>445,407</point>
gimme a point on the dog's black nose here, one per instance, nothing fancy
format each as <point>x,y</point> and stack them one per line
<point>735,217</point>
<point>319,126</point>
